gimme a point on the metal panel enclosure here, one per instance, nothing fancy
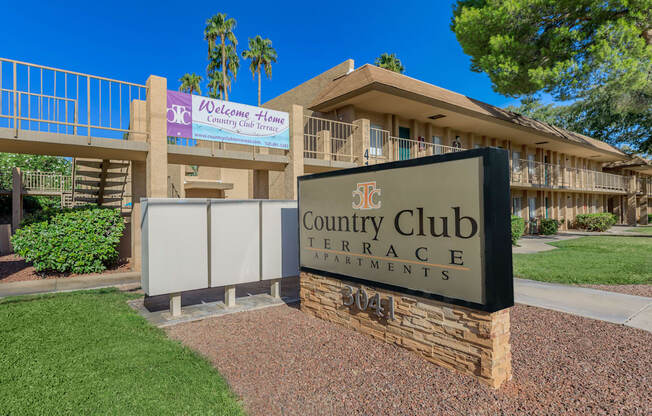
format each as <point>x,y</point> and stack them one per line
<point>235,242</point>
<point>174,245</point>
<point>280,238</point>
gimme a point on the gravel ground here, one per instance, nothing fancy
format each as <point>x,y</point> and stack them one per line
<point>14,269</point>
<point>284,362</point>
<point>638,290</point>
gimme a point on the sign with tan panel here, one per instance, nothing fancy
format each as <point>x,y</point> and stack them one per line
<point>435,227</point>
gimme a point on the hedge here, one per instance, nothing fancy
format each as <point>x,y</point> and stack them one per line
<point>549,226</point>
<point>595,222</point>
<point>81,240</point>
<point>518,228</point>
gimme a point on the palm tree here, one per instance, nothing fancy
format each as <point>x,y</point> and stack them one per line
<point>190,83</point>
<point>262,54</point>
<point>219,27</point>
<point>231,68</point>
<point>215,85</point>
<point>391,62</point>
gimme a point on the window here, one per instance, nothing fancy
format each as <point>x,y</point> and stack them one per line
<point>437,144</point>
<point>516,206</point>
<point>375,141</point>
<point>516,161</point>
<point>530,165</point>
<point>532,208</point>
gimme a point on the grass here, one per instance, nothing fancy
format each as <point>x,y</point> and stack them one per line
<point>645,229</point>
<point>590,260</point>
<point>90,353</point>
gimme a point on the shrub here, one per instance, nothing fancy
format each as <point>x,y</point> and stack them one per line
<point>518,227</point>
<point>649,218</point>
<point>595,222</point>
<point>80,240</point>
<point>548,226</point>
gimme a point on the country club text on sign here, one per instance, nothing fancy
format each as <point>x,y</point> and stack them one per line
<point>427,225</point>
<point>203,118</point>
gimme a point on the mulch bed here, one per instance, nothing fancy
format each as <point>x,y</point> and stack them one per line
<point>284,362</point>
<point>15,269</point>
<point>637,290</point>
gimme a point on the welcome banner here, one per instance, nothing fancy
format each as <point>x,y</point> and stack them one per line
<point>202,118</point>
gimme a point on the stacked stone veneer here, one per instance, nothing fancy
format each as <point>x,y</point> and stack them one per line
<point>469,341</point>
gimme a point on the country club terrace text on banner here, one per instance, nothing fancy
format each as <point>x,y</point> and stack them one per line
<point>419,226</point>
<point>203,118</point>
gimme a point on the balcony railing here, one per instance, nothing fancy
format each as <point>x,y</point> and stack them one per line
<point>327,139</point>
<point>533,173</point>
<point>40,98</point>
<point>35,181</point>
<point>644,186</point>
<point>385,148</point>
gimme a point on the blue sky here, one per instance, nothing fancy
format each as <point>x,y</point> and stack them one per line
<point>130,40</point>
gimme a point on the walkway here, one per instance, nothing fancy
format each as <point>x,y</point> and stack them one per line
<point>634,311</point>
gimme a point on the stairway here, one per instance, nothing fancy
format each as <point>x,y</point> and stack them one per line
<point>100,182</point>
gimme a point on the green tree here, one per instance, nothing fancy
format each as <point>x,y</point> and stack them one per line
<point>219,27</point>
<point>30,163</point>
<point>391,62</point>
<point>596,54</point>
<point>215,85</point>
<point>231,68</point>
<point>190,83</point>
<point>262,54</point>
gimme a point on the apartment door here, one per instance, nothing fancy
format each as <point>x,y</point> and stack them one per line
<point>403,145</point>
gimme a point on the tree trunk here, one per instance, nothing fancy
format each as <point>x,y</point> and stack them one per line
<point>226,93</point>
<point>258,85</point>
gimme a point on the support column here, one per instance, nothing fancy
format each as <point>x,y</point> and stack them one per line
<point>175,304</point>
<point>275,289</point>
<point>428,139</point>
<point>16,198</point>
<point>414,135</point>
<point>138,122</point>
<point>229,296</point>
<point>261,184</point>
<point>157,157</point>
<point>361,140</point>
<point>294,167</point>
<point>643,220</point>
<point>324,144</point>
<point>630,211</point>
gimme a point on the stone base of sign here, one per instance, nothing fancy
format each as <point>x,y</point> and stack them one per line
<point>472,342</point>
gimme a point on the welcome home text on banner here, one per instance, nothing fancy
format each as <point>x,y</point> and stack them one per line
<point>202,118</point>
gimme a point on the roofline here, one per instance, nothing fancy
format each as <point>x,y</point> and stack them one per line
<point>378,86</point>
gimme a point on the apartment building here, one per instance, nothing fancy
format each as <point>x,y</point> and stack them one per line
<point>371,115</point>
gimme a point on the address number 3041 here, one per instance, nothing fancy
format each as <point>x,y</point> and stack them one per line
<point>383,308</point>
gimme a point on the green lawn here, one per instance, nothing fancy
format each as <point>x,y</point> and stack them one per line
<point>590,260</point>
<point>645,229</point>
<point>88,353</point>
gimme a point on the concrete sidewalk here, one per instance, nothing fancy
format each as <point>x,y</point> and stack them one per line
<point>634,311</point>
<point>66,284</point>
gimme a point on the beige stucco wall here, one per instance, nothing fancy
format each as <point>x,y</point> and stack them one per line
<point>304,94</point>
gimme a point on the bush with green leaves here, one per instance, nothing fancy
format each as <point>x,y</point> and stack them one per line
<point>81,240</point>
<point>518,228</point>
<point>595,222</point>
<point>649,218</point>
<point>548,226</point>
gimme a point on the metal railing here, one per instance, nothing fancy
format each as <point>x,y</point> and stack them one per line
<point>46,182</point>
<point>404,149</point>
<point>327,139</point>
<point>529,172</point>
<point>644,186</point>
<point>46,99</point>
